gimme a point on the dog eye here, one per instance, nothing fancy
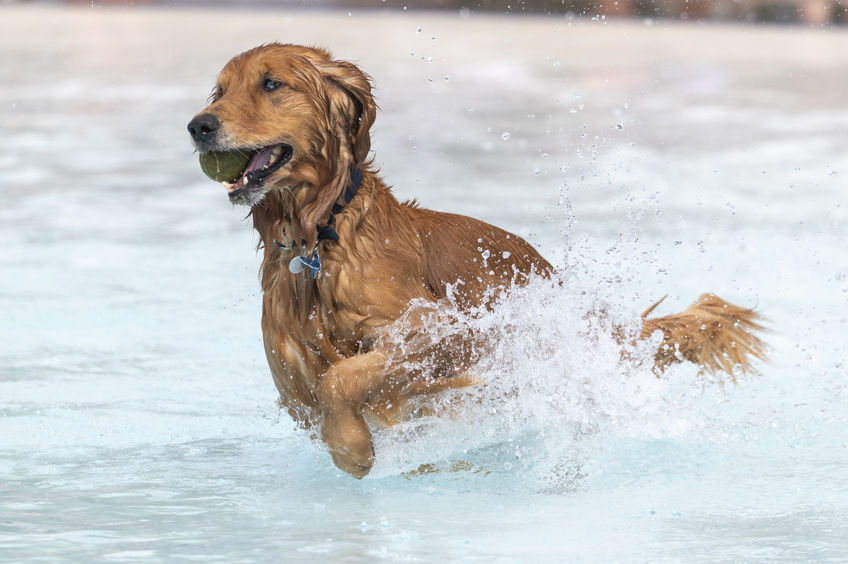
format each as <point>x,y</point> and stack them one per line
<point>216,94</point>
<point>269,85</point>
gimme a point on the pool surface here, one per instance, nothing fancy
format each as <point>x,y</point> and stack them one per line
<point>137,414</point>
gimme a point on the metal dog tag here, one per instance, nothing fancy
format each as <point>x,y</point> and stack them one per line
<point>300,263</point>
<point>296,265</point>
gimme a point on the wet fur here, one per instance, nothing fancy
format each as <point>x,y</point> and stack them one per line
<point>712,333</point>
<point>324,337</point>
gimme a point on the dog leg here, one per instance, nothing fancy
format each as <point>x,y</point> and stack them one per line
<point>342,393</point>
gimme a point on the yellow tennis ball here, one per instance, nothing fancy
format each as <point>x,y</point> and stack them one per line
<point>224,166</point>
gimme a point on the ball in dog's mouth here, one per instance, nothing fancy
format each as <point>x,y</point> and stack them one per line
<point>237,169</point>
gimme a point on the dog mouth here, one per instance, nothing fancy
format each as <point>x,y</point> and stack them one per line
<point>262,164</point>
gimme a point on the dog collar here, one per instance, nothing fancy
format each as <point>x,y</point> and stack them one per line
<point>325,232</point>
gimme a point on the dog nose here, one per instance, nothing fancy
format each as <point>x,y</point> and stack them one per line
<point>202,127</point>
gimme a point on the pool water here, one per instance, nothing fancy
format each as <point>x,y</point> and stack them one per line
<point>137,414</point>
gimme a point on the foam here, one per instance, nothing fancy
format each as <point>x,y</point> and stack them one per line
<point>552,372</point>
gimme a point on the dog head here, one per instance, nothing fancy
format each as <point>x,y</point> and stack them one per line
<point>302,118</point>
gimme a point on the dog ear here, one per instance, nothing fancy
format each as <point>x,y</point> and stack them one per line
<point>351,114</point>
<point>358,118</point>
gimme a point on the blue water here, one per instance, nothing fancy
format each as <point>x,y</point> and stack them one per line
<point>137,415</point>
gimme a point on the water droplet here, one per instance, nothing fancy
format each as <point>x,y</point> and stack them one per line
<point>486,254</point>
<point>505,135</point>
<point>506,254</point>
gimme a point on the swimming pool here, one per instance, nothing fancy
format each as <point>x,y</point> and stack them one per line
<point>138,418</point>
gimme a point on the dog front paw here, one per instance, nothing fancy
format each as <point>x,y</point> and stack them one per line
<point>349,441</point>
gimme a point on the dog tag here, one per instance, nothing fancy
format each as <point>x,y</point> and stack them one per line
<point>300,263</point>
<point>296,265</point>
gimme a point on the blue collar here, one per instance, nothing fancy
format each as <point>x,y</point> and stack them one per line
<point>328,231</point>
<point>325,232</point>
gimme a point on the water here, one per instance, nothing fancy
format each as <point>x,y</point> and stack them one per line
<point>138,421</point>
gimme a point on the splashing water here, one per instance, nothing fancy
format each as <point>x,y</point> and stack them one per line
<point>555,366</point>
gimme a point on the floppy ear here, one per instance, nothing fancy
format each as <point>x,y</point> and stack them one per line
<point>351,112</point>
<point>353,104</point>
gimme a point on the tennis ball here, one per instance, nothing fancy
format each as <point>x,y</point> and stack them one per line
<point>224,166</point>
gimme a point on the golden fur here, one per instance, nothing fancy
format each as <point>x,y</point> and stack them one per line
<point>322,335</point>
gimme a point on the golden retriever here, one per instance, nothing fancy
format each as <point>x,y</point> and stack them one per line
<point>343,259</point>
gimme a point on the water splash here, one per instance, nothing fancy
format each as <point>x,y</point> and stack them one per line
<point>556,366</point>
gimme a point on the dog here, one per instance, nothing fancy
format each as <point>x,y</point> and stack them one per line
<point>343,259</point>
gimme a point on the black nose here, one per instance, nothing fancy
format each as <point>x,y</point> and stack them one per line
<point>203,127</point>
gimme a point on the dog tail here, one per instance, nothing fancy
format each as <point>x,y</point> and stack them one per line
<point>712,333</point>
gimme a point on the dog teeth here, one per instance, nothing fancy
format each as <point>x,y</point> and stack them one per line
<point>275,156</point>
<point>228,185</point>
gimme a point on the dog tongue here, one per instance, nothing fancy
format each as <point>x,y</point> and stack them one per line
<point>259,159</point>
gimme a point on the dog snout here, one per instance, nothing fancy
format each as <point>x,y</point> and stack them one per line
<point>203,127</point>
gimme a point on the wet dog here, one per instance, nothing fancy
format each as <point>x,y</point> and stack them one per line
<point>343,259</point>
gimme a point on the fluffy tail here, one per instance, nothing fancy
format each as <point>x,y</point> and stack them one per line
<point>712,333</point>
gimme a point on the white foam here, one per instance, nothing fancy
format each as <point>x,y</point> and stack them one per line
<point>552,372</point>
